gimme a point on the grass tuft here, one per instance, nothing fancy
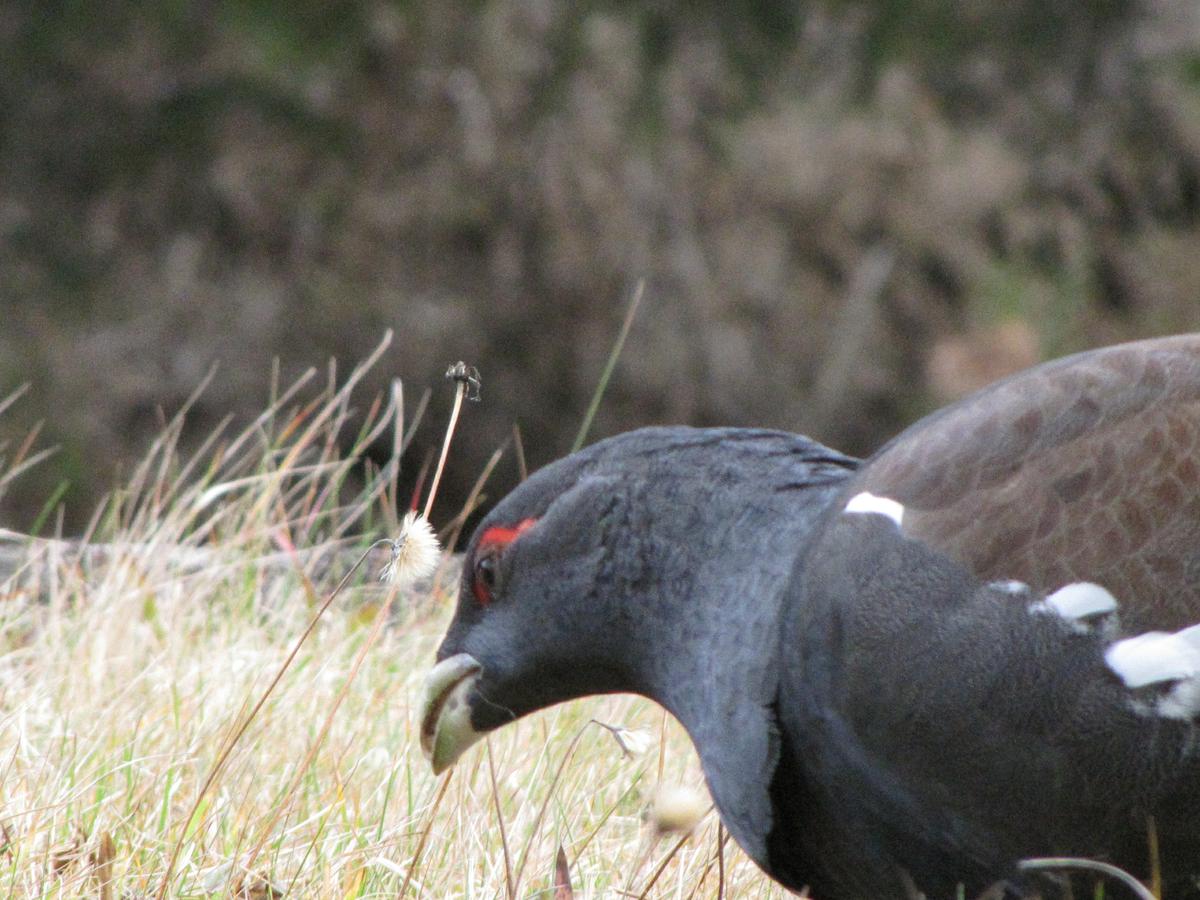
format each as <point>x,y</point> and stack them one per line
<point>131,659</point>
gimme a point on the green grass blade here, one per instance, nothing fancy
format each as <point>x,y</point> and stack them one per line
<point>586,425</point>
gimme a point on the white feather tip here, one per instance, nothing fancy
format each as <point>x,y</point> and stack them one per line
<point>866,502</point>
<point>1080,600</point>
<point>1156,657</point>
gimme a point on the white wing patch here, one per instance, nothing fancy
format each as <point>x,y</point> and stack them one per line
<point>1156,656</point>
<point>1080,600</point>
<point>866,502</point>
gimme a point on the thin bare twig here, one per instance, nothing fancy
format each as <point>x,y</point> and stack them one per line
<point>537,822</point>
<point>420,851</point>
<point>1051,863</point>
<point>508,880</point>
<point>662,867</point>
<point>522,468</point>
<point>237,734</point>
<point>381,616</point>
<point>720,861</point>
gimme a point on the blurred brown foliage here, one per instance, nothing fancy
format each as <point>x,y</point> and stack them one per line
<point>833,205</point>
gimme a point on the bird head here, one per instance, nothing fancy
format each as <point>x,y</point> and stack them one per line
<point>606,571</point>
<point>531,628</point>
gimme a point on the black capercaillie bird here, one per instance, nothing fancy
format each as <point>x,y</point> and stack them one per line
<point>903,676</point>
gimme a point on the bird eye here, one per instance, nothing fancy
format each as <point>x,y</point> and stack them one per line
<point>485,578</point>
<point>491,544</point>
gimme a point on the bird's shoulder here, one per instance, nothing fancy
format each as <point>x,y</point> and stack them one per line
<point>1086,469</point>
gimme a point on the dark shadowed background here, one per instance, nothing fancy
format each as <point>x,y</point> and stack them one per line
<point>845,213</point>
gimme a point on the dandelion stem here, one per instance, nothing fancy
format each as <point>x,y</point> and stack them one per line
<point>381,616</point>
<point>219,765</point>
<point>459,393</point>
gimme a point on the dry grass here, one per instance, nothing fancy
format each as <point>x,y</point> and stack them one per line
<point>124,673</point>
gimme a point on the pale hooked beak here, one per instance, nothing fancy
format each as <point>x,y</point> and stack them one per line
<point>446,730</point>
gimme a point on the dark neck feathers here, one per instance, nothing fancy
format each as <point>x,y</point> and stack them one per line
<point>702,553</point>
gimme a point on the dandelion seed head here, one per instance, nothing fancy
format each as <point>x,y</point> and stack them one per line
<point>415,552</point>
<point>676,809</point>
<point>633,741</point>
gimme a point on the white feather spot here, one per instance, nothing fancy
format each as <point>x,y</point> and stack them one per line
<point>1077,601</point>
<point>1012,586</point>
<point>1182,702</point>
<point>1156,656</point>
<point>866,502</point>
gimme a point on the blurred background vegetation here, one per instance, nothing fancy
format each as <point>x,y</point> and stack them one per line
<point>846,212</point>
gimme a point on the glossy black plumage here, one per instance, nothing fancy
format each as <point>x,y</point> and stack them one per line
<point>888,688</point>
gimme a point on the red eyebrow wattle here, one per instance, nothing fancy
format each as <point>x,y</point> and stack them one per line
<point>502,535</point>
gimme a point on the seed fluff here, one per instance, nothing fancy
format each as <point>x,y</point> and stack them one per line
<point>415,552</point>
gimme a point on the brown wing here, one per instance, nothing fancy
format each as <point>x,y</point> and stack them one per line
<point>1083,469</point>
